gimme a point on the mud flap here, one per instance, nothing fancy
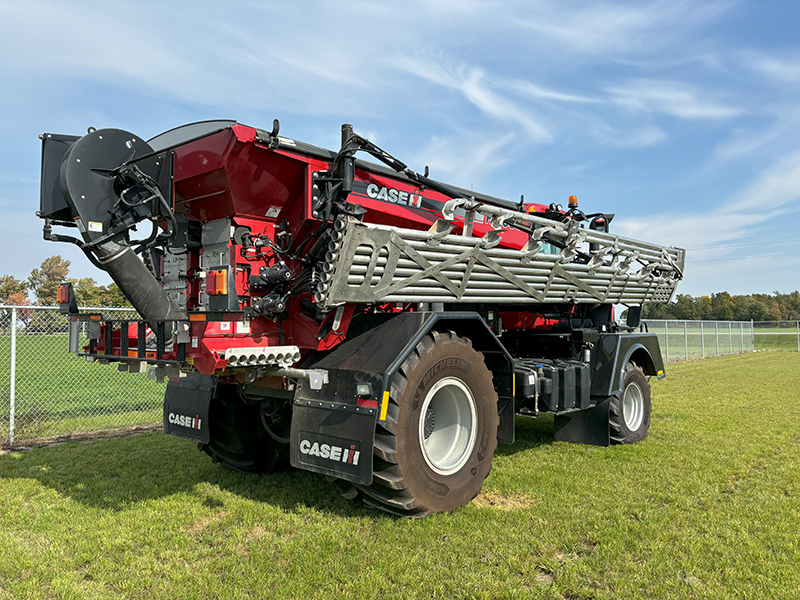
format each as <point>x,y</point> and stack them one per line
<point>186,404</point>
<point>333,439</point>
<point>588,426</point>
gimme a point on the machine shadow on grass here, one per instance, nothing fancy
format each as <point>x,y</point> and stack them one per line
<point>116,474</point>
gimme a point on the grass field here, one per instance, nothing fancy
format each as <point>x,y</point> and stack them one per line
<point>707,507</point>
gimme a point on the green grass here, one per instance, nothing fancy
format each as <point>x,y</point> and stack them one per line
<point>58,393</point>
<point>706,507</point>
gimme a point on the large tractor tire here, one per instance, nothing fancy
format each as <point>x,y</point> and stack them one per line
<point>239,438</point>
<point>436,447</point>
<point>629,412</point>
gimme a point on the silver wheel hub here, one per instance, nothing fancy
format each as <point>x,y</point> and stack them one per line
<point>633,407</point>
<point>448,426</point>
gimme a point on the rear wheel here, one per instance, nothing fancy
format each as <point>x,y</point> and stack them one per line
<point>629,412</point>
<point>239,438</point>
<point>436,447</point>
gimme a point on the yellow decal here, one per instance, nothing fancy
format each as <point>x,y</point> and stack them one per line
<point>384,405</point>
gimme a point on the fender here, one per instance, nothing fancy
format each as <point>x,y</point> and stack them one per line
<point>612,354</point>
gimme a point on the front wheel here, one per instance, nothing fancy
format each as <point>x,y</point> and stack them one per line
<point>436,447</point>
<point>629,412</point>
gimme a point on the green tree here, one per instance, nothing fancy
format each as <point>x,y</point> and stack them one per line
<point>722,306</point>
<point>774,312</point>
<point>115,298</point>
<point>10,286</point>
<point>87,292</point>
<point>703,306</point>
<point>684,307</point>
<point>45,280</point>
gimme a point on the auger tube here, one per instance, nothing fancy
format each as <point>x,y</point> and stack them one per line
<point>138,284</point>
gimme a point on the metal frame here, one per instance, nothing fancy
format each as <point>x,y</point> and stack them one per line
<point>376,264</point>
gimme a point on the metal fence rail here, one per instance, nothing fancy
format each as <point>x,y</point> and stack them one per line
<point>686,340</point>
<point>46,393</point>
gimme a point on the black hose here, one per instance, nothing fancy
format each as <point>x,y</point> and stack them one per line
<point>138,284</point>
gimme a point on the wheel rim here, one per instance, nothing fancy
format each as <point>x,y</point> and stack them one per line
<point>633,407</point>
<point>447,426</point>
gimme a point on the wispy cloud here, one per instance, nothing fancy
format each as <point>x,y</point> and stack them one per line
<point>776,187</point>
<point>753,214</point>
<point>472,83</point>
<point>531,90</point>
<point>614,27</point>
<point>667,97</point>
<point>785,70</point>
<point>467,157</point>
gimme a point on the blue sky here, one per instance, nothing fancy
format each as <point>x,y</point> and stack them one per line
<point>680,117</point>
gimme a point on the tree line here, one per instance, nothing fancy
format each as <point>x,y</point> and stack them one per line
<point>42,286</point>
<point>724,307</point>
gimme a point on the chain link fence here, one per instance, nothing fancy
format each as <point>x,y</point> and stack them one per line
<point>780,336</point>
<point>686,340</point>
<point>47,394</point>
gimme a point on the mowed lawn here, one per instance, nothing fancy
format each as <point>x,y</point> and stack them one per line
<point>707,507</point>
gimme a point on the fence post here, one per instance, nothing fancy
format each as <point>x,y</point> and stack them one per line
<point>752,336</point>
<point>702,341</point>
<point>716,335</point>
<point>685,341</point>
<point>798,336</point>
<point>13,380</point>
<point>741,337</point>
<point>666,339</point>
<point>730,337</point>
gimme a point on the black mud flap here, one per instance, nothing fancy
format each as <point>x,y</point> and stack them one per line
<point>186,404</point>
<point>333,439</point>
<point>588,426</point>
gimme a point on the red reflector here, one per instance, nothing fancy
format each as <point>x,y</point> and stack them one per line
<point>368,403</point>
<point>217,282</point>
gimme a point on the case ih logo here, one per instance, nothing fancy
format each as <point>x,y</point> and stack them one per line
<point>335,453</point>
<point>185,420</point>
<point>394,196</point>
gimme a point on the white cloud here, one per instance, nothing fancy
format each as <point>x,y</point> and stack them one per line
<point>750,216</point>
<point>474,86</point>
<point>776,187</point>
<point>465,158</point>
<point>532,90</point>
<point>613,27</point>
<point>678,100</point>
<point>767,198</point>
<point>783,70</point>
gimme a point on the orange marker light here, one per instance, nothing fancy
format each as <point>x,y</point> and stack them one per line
<point>217,283</point>
<point>222,282</point>
<point>573,202</point>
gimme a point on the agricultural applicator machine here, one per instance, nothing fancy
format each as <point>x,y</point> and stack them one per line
<point>358,320</point>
